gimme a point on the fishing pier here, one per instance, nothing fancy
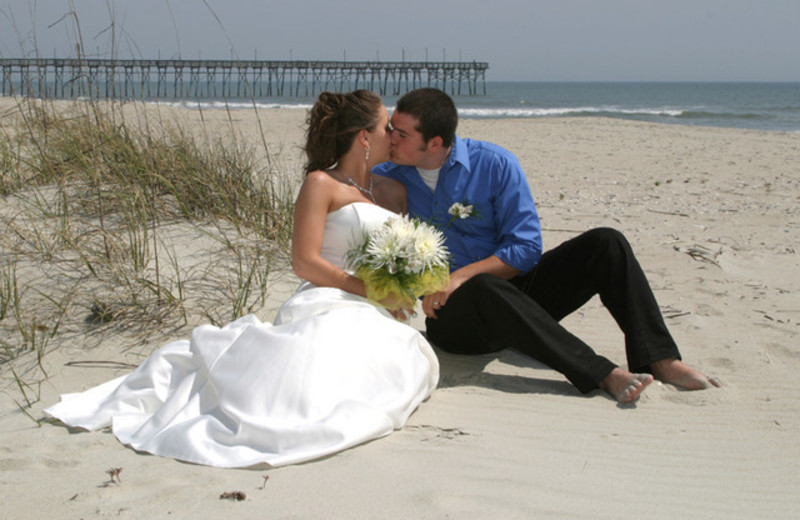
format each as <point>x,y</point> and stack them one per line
<point>211,79</point>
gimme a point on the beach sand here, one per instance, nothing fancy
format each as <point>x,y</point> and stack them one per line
<point>714,217</point>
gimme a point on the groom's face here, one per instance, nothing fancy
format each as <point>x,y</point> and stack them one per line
<point>408,146</point>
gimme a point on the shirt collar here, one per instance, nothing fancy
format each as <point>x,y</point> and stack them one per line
<point>458,154</point>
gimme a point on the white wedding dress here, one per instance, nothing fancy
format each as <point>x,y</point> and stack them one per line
<point>333,371</point>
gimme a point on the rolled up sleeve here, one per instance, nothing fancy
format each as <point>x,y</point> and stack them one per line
<point>516,218</point>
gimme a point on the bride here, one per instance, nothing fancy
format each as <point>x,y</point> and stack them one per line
<point>332,372</point>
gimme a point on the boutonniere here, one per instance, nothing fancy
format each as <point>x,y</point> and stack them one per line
<point>461,211</point>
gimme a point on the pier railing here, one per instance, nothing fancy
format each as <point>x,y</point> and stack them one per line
<point>185,79</point>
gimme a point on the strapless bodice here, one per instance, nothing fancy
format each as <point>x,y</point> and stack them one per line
<point>345,227</point>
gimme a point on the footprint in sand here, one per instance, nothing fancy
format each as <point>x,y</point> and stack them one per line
<point>429,432</point>
<point>721,362</point>
<point>775,352</point>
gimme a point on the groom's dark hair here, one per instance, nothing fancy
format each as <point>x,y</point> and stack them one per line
<point>435,111</point>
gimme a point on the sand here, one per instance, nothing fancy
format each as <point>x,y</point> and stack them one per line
<point>714,216</point>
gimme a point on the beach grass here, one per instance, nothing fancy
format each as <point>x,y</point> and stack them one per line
<point>127,219</point>
<point>100,199</point>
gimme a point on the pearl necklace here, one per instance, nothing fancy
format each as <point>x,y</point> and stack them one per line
<point>365,191</point>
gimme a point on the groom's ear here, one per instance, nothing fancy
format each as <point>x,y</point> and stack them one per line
<point>435,144</point>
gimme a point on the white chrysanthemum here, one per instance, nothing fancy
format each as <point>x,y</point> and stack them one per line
<point>427,250</point>
<point>383,249</point>
<point>401,228</point>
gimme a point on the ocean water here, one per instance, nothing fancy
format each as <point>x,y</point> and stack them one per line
<point>761,106</point>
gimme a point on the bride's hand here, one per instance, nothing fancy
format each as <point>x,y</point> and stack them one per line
<point>402,314</point>
<point>399,306</point>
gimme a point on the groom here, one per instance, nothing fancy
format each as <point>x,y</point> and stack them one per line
<point>504,292</point>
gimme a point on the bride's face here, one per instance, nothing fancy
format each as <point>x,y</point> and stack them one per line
<point>380,139</point>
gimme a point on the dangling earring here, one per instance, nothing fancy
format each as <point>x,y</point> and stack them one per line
<point>367,154</point>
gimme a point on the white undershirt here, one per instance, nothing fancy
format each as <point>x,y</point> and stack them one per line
<point>431,177</point>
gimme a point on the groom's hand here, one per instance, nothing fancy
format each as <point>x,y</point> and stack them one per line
<point>433,302</point>
<point>492,265</point>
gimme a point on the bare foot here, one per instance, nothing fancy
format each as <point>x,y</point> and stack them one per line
<point>625,386</point>
<point>678,373</point>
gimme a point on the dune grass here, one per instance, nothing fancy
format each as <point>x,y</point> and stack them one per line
<point>99,202</point>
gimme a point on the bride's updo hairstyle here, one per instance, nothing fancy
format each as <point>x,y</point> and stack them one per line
<point>333,123</point>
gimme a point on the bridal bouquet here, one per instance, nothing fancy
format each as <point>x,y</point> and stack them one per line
<point>404,258</point>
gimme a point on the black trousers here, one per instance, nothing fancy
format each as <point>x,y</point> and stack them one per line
<point>487,313</point>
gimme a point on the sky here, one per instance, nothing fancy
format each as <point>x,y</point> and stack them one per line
<point>522,40</point>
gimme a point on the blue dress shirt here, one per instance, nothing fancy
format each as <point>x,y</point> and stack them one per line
<point>504,221</point>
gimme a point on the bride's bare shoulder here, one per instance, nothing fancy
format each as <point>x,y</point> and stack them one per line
<point>319,176</point>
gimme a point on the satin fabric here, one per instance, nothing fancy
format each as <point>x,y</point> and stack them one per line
<point>333,371</point>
